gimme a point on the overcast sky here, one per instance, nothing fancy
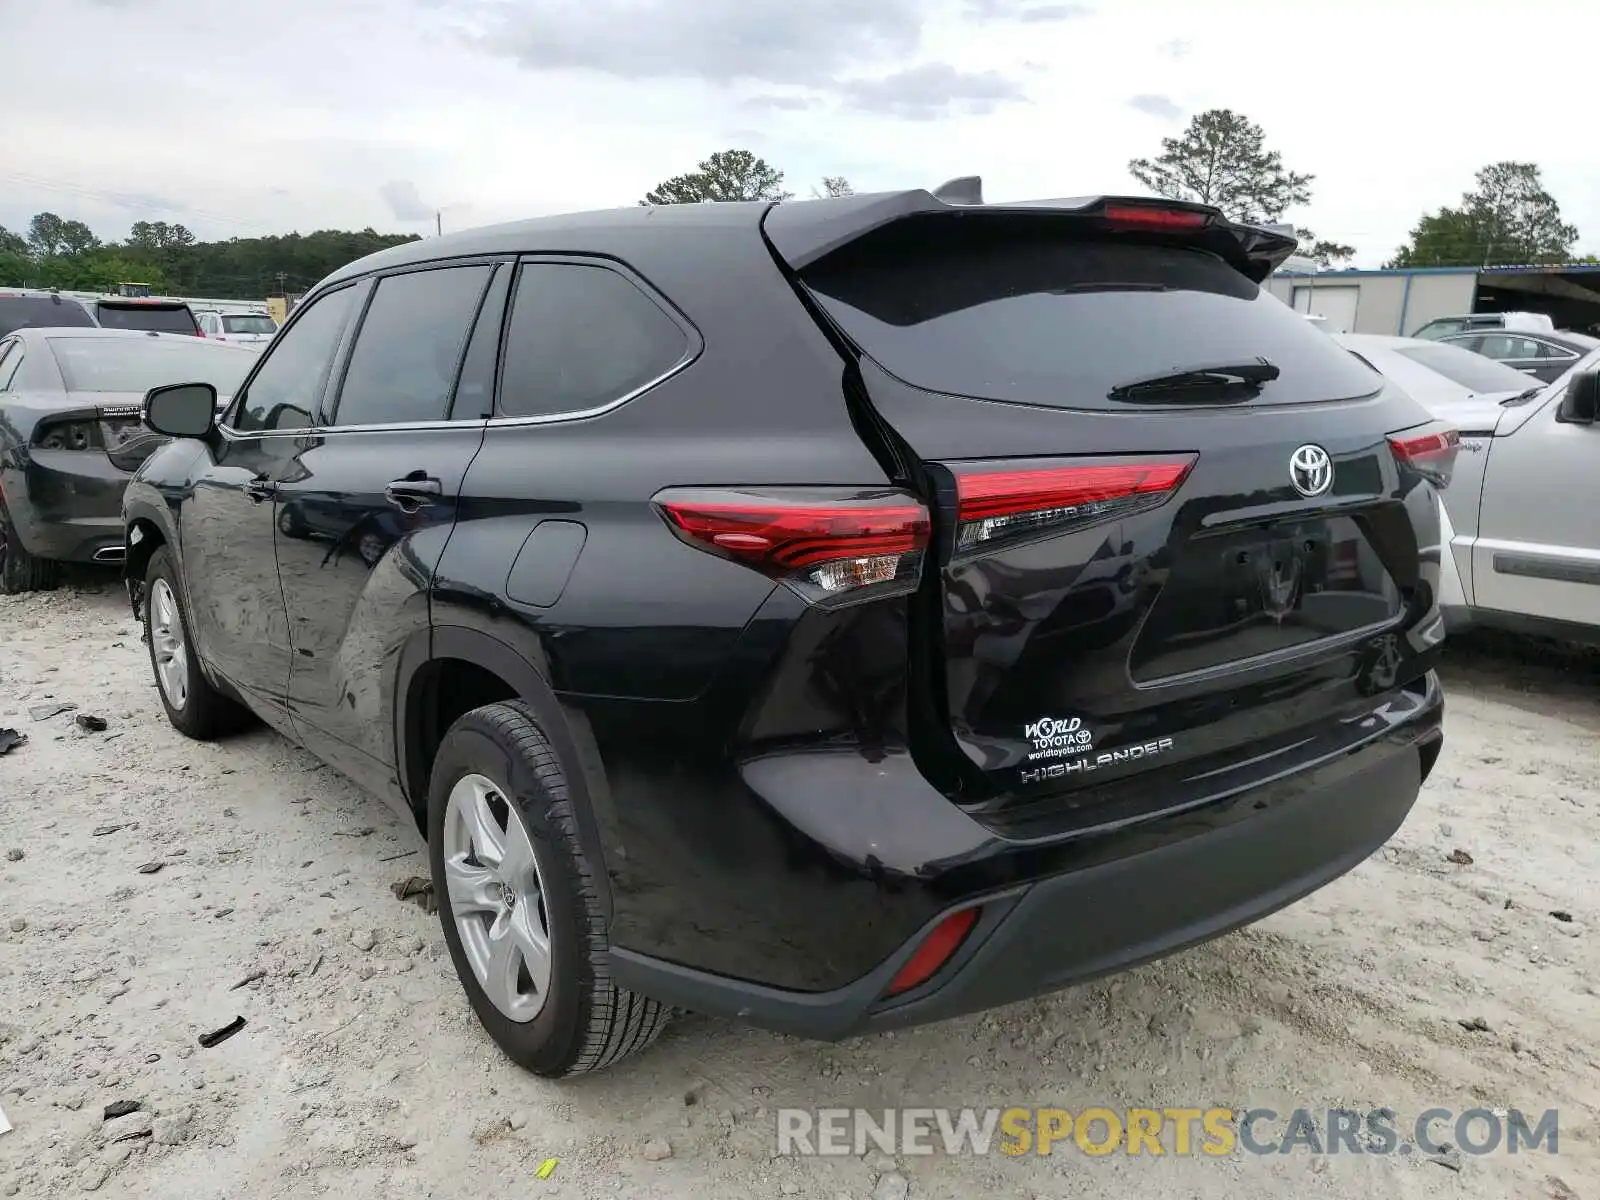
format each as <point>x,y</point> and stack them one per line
<point>241,117</point>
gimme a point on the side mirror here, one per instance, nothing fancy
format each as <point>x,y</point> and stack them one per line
<point>1581,404</point>
<point>181,410</point>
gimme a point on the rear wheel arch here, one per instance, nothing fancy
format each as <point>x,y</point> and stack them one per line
<point>451,670</point>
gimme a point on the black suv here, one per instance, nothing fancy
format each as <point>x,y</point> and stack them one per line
<point>832,615</point>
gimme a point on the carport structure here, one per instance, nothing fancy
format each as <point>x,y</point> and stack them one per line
<point>1402,301</point>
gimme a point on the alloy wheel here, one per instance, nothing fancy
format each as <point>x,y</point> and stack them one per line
<point>168,645</point>
<point>496,897</point>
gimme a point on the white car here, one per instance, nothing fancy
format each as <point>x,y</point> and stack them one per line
<point>1522,322</point>
<point>242,329</point>
<point>1519,513</point>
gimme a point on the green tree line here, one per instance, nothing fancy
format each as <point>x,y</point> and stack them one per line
<point>57,252</point>
<point>1221,158</point>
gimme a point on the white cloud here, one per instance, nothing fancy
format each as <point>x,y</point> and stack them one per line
<point>306,114</point>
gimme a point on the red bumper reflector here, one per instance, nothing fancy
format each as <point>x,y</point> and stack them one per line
<point>935,951</point>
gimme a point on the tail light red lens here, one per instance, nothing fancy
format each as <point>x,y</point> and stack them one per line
<point>935,950</point>
<point>831,545</point>
<point>998,502</point>
<point>1430,452</point>
<point>1153,216</point>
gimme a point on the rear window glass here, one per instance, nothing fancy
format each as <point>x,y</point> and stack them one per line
<point>107,364</point>
<point>1063,323</point>
<point>1472,371</point>
<point>33,312</point>
<point>249,324</point>
<point>146,316</point>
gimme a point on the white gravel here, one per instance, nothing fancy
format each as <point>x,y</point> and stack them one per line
<point>360,1072</point>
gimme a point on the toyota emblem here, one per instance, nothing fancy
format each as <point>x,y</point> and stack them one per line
<point>1311,470</point>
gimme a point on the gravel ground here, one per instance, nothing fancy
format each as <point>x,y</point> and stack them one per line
<point>360,1072</point>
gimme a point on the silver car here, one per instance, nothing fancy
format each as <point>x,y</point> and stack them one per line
<point>1520,511</point>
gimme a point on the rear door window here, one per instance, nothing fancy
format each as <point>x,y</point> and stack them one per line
<point>404,362</point>
<point>1503,346</point>
<point>158,318</point>
<point>1063,323</point>
<point>582,337</point>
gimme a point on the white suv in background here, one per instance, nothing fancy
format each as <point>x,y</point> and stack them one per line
<point>245,329</point>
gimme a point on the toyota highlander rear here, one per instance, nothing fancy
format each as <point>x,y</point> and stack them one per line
<point>1154,563</point>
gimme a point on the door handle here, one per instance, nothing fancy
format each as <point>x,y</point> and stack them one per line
<point>408,495</point>
<point>260,489</point>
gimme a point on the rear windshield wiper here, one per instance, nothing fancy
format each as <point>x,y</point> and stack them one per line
<point>1206,380</point>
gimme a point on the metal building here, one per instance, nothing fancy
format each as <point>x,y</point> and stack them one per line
<point>1402,301</point>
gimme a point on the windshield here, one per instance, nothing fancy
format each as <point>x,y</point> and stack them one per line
<point>139,364</point>
<point>1066,322</point>
<point>147,316</point>
<point>1472,371</point>
<point>32,312</point>
<point>249,324</point>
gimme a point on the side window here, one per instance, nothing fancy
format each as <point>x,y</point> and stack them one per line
<point>288,384</point>
<point>581,337</point>
<point>474,396</point>
<point>10,360</point>
<point>1553,353</point>
<point>1504,346</point>
<point>409,345</point>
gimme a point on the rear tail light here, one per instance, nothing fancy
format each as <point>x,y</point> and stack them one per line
<point>1001,502</point>
<point>1153,216</point>
<point>936,949</point>
<point>1431,452</point>
<point>831,545</point>
<point>70,434</point>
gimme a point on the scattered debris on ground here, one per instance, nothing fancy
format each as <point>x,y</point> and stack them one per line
<point>364,1074</point>
<point>418,890</point>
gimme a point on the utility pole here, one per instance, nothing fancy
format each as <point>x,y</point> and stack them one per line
<point>438,222</point>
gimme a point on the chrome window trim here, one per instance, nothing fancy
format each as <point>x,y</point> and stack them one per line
<point>472,422</point>
<point>694,347</point>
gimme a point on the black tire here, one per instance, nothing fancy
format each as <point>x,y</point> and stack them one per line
<point>20,571</point>
<point>205,712</point>
<point>587,1022</point>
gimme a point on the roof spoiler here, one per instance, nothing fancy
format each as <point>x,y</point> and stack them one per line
<point>802,234</point>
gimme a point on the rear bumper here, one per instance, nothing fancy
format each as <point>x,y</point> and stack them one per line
<point>67,505</point>
<point>1166,886</point>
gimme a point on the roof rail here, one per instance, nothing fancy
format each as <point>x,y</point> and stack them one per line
<point>966,189</point>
